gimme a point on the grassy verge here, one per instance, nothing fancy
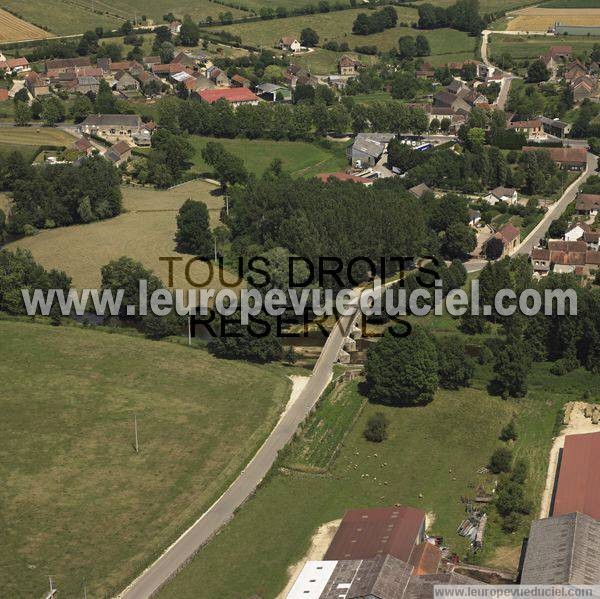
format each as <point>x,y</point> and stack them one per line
<point>322,435</point>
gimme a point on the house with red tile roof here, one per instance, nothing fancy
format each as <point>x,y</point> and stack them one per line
<point>236,96</point>
<point>340,176</point>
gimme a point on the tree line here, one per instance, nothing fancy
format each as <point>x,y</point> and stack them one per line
<point>377,21</point>
<point>463,15</point>
<point>277,121</point>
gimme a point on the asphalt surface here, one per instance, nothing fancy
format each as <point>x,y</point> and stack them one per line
<point>184,548</point>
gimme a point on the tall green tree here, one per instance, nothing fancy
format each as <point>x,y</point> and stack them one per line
<point>403,371</point>
<point>193,229</point>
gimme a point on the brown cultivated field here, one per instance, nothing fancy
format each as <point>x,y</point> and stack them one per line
<point>13,29</point>
<point>540,19</point>
<point>145,233</point>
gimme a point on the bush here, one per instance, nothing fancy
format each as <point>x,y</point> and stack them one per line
<point>511,522</point>
<point>376,430</point>
<point>501,460</point>
<point>509,432</point>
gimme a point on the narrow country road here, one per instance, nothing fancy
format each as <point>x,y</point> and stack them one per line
<point>185,547</point>
<point>556,210</point>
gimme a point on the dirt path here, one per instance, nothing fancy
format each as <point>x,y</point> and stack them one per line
<point>578,424</point>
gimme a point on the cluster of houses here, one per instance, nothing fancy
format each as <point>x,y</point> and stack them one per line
<point>578,252</point>
<point>582,79</point>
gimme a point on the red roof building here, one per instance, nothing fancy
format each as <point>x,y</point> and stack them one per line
<point>367,533</point>
<point>578,488</point>
<point>233,95</point>
<point>325,177</point>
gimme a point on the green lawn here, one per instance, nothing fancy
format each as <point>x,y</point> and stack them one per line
<point>530,48</point>
<point>300,159</point>
<point>77,501</point>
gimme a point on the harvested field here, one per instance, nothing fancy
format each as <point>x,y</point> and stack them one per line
<point>540,19</point>
<point>13,29</point>
<point>145,233</point>
<point>34,136</point>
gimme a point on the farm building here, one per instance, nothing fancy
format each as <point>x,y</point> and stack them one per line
<point>368,148</point>
<point>572,159</point>
<point>119,126</point>
<point>564,29</point>
<point>236,96</point>
<point>118,153</point>
<point>326,177</point>
<point>381,577</point>
<point>588,204</point>
<point>562,550</point>
<point>367,533</point>
<point>578,486</point>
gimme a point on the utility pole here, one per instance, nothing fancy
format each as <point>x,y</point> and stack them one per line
<point>227,205</point>
<point>137,447</point>
<point>216,257</point>
<point>84,591</point>
<point>190,329</point>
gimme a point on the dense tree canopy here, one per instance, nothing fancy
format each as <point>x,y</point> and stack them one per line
<point>403,371</point>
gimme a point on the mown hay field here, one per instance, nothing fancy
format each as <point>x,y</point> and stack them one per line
<point>536,18</point>
<point>145,233</point>
<point>34,136</point>
<point>77,500</point>
<point>61,17</point>
<point>13,29</point>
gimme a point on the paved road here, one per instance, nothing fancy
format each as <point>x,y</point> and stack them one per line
<point>556,210</point>
<point>182,550</point>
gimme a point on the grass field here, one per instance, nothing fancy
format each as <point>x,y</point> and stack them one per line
<point>447,45</point>
<point>300,159</point>
<point>145,233</point>
<point>540,18</point>
<point>330,26</point>
<point>530,48</point>
<point>77,501</point>
<point>13,29</point>
<point>29,139</point>
<point>431,451</point>
<point>61,17</point>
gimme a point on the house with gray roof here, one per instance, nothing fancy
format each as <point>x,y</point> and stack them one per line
<point>368,148</point>
<point>113,126</point>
